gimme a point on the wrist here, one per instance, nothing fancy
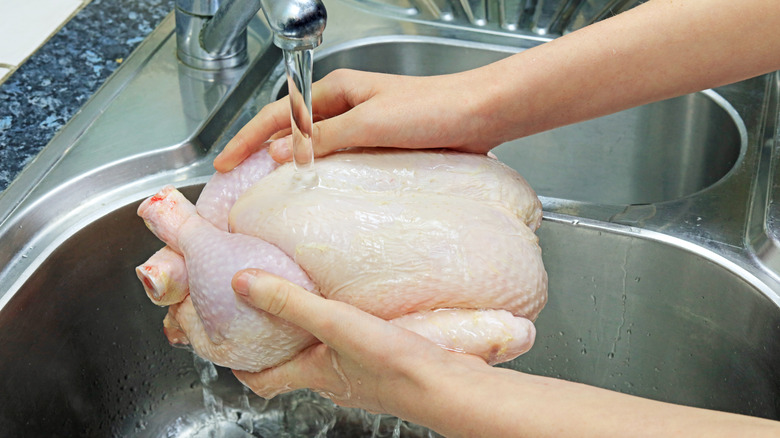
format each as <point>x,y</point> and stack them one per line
<point>454,395</point>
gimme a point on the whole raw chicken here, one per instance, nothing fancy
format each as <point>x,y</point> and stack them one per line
<point>439,242</point>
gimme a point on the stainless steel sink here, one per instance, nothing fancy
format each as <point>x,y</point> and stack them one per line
<point>667,292</point>
<point>643,313</point>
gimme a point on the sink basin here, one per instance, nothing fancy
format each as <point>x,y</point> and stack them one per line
<point>654,290</point>
<point>628,311</point>
<point>651,316</point>
<point>653,153</point>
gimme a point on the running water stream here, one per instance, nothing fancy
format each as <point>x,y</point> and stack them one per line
<point>299,65</point>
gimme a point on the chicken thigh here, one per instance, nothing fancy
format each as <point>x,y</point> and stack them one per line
<point>439,242</point>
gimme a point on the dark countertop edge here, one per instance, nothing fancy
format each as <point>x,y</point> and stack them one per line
<point>45,92</point>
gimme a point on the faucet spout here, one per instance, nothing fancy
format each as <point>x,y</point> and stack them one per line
<point>211,34</point>
<point>297,24</point>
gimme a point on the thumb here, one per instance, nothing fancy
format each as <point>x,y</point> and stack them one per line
<point>287,300</point>
<point>274,295</point>
<point>340,325</point>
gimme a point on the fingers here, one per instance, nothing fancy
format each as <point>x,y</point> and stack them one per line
<point>263,383</point>
<point>328,100</point>
<point>288,301</point>
<point>335,126</point>
<point>313,368</point>
<point>356,347</point>
<point>338,125</point>
<point>344,131</point>
<point>273,118</point>
<point>273,294</point>
<point>328,136</point>
<point>274,381</point>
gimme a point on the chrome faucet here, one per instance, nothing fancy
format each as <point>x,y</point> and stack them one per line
<point>211,34</point>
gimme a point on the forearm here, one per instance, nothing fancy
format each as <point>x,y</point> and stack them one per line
<point>500,402</point>
<point>660,49</point>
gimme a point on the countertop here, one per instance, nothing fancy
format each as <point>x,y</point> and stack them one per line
<point>50,88</point>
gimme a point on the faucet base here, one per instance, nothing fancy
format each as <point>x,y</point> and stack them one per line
<point>191,52</point>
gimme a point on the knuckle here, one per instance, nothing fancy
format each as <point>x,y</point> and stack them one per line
<point>336,75</point>
<point>318,138</point>
<point>277,297</point>
<point>342,78</point>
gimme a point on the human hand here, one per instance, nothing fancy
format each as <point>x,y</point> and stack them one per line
<point>354,108</point>
<point>363,361</point>
<point>366,362</point>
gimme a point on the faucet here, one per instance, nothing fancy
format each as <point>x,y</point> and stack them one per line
<point>211,34</point>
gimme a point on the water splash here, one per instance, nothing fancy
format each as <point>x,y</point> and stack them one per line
<point>297,414</point>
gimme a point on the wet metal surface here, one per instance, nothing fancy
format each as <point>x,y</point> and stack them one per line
<point>668,292</point>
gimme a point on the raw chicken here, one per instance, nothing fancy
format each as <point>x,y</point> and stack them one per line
<point>440,243</point>
<point>164,275</point>
<point>224,327</point>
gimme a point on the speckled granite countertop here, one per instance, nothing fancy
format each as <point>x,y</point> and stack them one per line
<point>47,90</point>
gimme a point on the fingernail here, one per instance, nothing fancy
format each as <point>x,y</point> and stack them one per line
<point>241,283</point>
<point>280,149</point>
<point>220,163</point>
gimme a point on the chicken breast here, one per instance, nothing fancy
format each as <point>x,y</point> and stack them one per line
<point>394,232</point>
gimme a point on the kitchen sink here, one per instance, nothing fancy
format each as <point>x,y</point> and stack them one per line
<point>630,310</point>
<point>658,239</point>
